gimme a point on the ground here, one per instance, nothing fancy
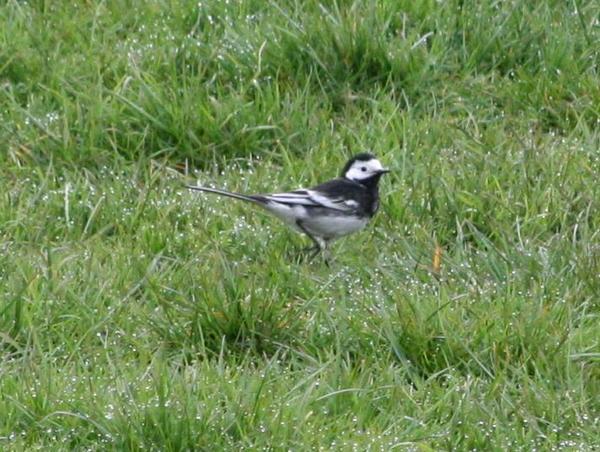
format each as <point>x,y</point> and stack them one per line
<point>135,315</point>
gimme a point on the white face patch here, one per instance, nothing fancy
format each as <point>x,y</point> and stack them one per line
<point>364,169</point>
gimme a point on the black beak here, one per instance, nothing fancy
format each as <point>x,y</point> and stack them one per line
<point>384,171</point>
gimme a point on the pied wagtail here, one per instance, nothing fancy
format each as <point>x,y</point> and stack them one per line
<point>330,210</point>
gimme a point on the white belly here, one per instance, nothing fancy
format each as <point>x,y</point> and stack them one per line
<point>332,227</point>
<point>324,226</point>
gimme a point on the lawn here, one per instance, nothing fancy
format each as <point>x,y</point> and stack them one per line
<point>135,315</point>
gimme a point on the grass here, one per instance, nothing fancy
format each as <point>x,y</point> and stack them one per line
<point>137,316</point>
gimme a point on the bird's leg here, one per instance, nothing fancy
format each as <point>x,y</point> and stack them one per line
<point>317,245</point>
<point>320,244</point>
<point>315,250</point>
<point>326,254</point>
<point>311,248</point>
<point>322,248</point>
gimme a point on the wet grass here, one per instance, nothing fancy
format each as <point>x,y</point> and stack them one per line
<point>135,315</point>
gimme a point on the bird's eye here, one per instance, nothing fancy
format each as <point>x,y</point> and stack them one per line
<point>363,169</point>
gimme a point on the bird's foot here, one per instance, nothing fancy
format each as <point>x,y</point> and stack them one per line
<point>308,254</point>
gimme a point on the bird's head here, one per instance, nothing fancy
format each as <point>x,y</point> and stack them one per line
<point>364,168</point>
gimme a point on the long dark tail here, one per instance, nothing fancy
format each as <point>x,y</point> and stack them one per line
<point>249,198</point>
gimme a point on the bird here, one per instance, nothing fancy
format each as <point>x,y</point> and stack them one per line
<point>328,211</point>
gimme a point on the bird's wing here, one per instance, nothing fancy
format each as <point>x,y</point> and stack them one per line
<point>313,198</point>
